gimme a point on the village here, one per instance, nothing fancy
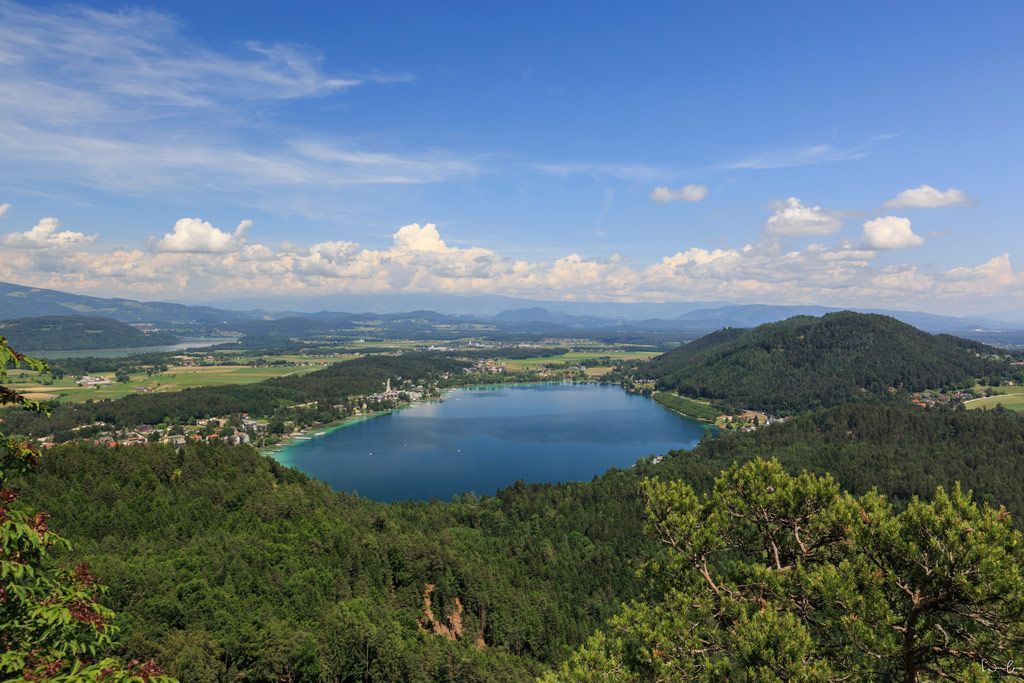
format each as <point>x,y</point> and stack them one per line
<point>244,429</point>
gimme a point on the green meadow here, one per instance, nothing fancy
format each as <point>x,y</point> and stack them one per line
<point>1010,397</point>
<point>572,357</point>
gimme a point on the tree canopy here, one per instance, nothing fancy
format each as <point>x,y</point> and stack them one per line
<point>773,577</point>
<point>805,363</point>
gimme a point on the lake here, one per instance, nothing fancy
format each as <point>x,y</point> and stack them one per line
<point>199,343</point>
<point>483,439</point>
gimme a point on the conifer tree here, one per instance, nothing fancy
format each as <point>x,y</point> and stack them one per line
<point>773,577</point>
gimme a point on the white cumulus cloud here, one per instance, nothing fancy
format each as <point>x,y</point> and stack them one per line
<point>45,235</point>
<point>687,193</point>
<point>792,217</point>
<point>418,259</point>
<point>890,232</point>
<point>927,197</point>
<point>4,208</point>
<point>196,236</point>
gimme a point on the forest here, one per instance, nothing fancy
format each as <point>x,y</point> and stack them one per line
<point>805,363</point>
<point>221,562</point>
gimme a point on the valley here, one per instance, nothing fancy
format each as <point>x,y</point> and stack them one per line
<point>544,342</point>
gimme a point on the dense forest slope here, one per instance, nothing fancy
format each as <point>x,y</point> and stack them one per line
<point>221,562</point>
<point>903,451</point>
<point>805,362</point>
<point>74,332</point>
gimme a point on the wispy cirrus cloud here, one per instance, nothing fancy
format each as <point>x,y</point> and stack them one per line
<point>130,102</point>
<point>628,171</point>
<point>138,61</point>
<point>808,155</point>
<point>781,157</point>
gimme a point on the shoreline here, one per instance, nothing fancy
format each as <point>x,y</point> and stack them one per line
<point>694,418</point>
<point>325,429</point>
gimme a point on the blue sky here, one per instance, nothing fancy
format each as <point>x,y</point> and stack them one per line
<point>539,149</point>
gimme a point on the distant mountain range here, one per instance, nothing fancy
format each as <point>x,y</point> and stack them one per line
<point>461,315</point>
<point>76,332</point>
<point>17,301</point>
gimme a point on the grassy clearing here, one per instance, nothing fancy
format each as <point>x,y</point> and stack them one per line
<point>697,410</point>
<point>1009,400</point>
<point>573,357</point>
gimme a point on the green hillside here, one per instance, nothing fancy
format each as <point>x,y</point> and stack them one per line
<point>74,332</point>
<point>806,362</point>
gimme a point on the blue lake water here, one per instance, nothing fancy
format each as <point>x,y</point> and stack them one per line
<point>482,439</point>
<point>130,350</point>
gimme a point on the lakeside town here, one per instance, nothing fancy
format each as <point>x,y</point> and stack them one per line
<point>244,429</point>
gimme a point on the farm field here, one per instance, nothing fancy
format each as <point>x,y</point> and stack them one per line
<point>175,379</point>
<point>303,359</point>
<point>575,357</point>
<point>1011,398</point>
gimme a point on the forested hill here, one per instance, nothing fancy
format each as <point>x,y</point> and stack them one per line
<point>807,362</point>
<point>901,450</point>
<point>74,332</point>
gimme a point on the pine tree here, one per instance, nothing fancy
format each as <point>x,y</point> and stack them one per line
<point>774,577</point>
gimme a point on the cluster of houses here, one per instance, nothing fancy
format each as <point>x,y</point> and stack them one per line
<point>234,430</point>
<point>90,381</point>
<point>207,430</point>
<point>487,366</point>
<point>191,361</point>
<point>747,421</point>
<point>412,393</point>
<point>930,399</point>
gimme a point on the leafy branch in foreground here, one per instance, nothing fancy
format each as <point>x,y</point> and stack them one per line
<point>778,577</point>
<point>52,626</point>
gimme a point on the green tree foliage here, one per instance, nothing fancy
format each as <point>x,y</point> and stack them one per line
<point>805,362</point>
<point>901,450</point>
<point>222,562</point>
<point>772,577</point>
<point>51,624</point>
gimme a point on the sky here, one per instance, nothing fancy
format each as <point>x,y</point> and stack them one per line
<point>846,154</point>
